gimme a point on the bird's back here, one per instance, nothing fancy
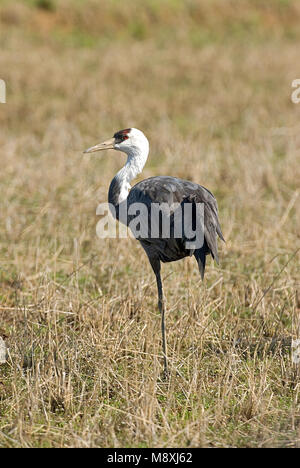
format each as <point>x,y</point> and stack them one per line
<point>172,191</point>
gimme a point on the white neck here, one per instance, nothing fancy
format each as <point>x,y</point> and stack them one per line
<point>136,160</point>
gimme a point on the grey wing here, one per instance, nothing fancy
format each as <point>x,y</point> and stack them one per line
<point>172,190</point>
<point>212,227</point>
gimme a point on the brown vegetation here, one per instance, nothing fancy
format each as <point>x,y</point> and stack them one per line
<point>210,86</point>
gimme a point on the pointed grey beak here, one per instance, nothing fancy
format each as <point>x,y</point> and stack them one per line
<point>108,144</point>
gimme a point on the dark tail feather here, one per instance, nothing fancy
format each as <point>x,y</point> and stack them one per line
<point>201,260</point>
<point>220,234</point>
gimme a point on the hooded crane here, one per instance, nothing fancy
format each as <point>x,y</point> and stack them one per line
<point>162,191</point>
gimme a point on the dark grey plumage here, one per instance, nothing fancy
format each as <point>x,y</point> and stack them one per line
<point>170,190</point>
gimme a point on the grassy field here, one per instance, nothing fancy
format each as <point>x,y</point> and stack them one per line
<point>210,85</point>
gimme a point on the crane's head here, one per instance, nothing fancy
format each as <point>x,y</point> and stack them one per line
<point>131,141</point>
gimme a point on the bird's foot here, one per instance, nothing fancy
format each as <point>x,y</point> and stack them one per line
<point>165,374</point>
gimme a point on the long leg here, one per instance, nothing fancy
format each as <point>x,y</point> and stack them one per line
<point>155,263</point>
<point>161,307</point>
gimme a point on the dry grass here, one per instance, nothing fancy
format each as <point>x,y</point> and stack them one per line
<point>79,313</point>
